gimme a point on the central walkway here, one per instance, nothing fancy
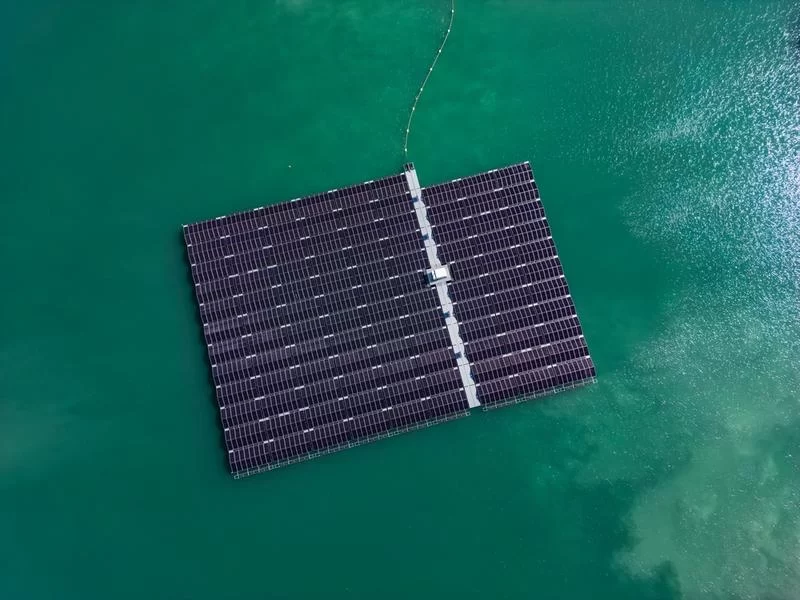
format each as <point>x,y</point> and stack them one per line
<point>440,283</point>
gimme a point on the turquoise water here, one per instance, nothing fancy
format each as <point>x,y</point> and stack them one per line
<point>665,137</point>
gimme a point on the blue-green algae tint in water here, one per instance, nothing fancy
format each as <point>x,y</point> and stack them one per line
<point>665,137</point>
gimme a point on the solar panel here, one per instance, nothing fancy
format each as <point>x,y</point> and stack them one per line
<point>339,318</point>
<point>322,331</point>
<point>515,312</point>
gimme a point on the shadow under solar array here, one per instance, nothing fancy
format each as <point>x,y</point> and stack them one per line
<point>323,330</point>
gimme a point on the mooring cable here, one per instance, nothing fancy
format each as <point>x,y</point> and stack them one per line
<point>427,76</point>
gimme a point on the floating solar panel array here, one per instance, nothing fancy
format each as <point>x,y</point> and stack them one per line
<point>339,318</point>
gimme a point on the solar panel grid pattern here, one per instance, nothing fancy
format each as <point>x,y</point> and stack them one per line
<point>515,313</point>
<point>320,328</point>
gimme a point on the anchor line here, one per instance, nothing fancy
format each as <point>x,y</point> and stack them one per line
<point>427,76</point>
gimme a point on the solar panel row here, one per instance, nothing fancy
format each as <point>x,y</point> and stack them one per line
<point>319,205</point>
<point>345,433</point>
<point>325,402</point>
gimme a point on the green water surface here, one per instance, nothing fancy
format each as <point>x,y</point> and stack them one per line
<point>665,138</point>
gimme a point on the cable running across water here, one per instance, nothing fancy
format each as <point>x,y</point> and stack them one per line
<point>427,76</point>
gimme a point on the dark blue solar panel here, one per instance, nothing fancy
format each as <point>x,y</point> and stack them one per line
<point>517,318</point>
<point>321,329</point>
